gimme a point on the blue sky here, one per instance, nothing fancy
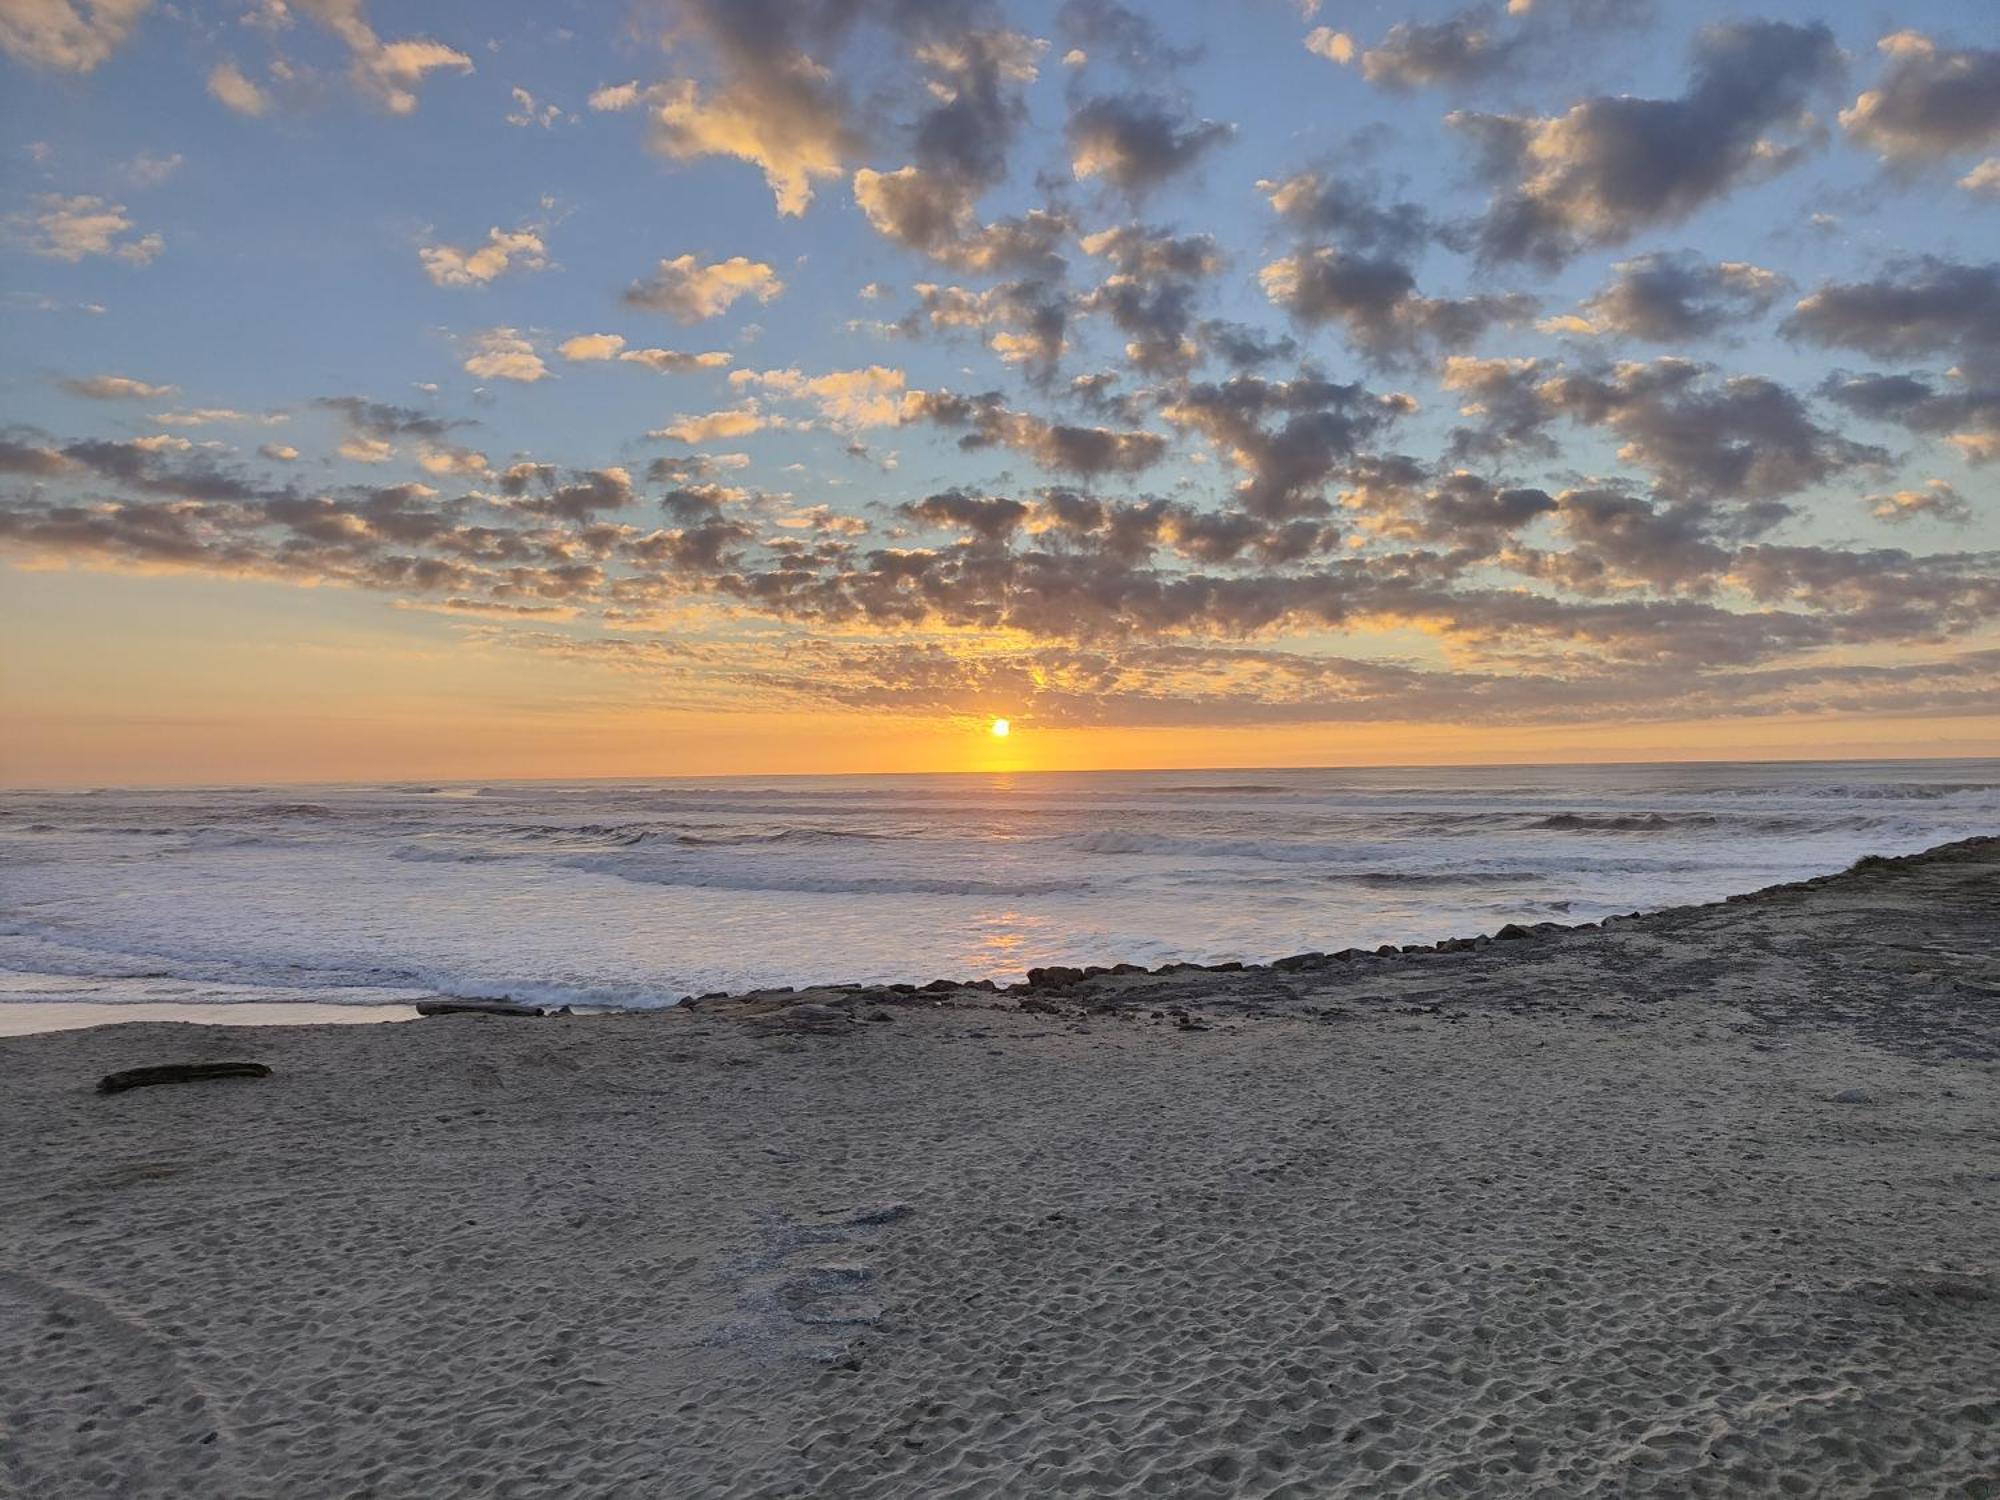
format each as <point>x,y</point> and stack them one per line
<point>246,302</point>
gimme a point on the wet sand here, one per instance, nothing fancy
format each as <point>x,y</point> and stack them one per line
<point>1699,1203</point>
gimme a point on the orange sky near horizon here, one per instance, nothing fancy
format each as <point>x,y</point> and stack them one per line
<point>212,692</point>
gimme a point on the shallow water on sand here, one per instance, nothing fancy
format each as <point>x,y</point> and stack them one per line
<point>639,892</point>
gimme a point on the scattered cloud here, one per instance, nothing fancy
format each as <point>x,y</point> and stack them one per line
<point>230,86</point>
<point>1614,165</point>
<point>1930,102</point>
<point>69,36</point>
<point>504,354</point>
<point>686,289</point>
<point>504,250</point>
<point>115,388</point>
<point>71,228</point>
<point>1937,500</point>
<point>388,72</point>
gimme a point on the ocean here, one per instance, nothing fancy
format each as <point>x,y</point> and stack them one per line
<point>637,893</point>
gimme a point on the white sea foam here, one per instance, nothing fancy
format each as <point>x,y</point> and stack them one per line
<point>636,893</point>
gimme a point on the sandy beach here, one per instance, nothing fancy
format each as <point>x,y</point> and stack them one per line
<point>1703,1202</point>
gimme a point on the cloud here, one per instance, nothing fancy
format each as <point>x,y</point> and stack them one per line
<point>1668,298</point>
<point>146,170</point>
<point>446,459</point>
<point>1334,46</point>
<point>504,250</point>
<point>366,450</point>
<point>1376,301</point>
<point>1937,500</point>
<point>504,354</point>
<point>230,86</point>
<point>774,104</point>
<point>529,112</point>
<point>935,214</point>
<point>1349,208</point>
<point>283,453</point>
<point>1059,446</point>
<point>210,416</point>
<point>870,397</point>
<point>1617,164</point>
<point>1136,142</point>
<point>1104,28</point>
<point>737,421</point>
<point>71,36</point>
<point>1152,294</point>
<point>389,72</point>
<point>1931,102</point>
<point>1743,437</point>
<point>69,228</point>
<point>115,388</point>
<point>1288,437</point>
<point>1023,321</point>
<point>587,347</point>
<point>684,288</point>
<point>1453,52</point>
<point>382,420</point>
<point>1964,413</point>
<point>1983,179</point>
<point>1921,306</point>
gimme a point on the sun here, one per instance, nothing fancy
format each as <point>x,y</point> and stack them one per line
<point>1000,729</point>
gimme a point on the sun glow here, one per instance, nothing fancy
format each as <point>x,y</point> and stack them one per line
<point>1000,729</point>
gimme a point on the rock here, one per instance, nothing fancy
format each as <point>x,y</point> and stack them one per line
<point>476,1008</point>
<point>139,1078</point>
<point>1511,933</point>
<point>1387,950</point>
<point>1348,955</point>
<point>1299,961</point>
<point>937,985</point>
<point>1231,967</point>
<point>1054,976</point>
<point>1128,968</point>
<point>1853,1096</point>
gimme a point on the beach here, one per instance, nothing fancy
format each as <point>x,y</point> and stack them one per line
<point>1698,1202</point>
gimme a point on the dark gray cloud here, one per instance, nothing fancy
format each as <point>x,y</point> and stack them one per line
<point>1057,446</point>
<point>1375,301</point>
<point>1616,164</point>
<point>1153,292</point>
<point>1668,298</point>
<point>1135,142</point>
<point>1288,437</point>
<point>1742,437</point>
<point>1930,102</point>
<point>1104,28</point>
<point>1965,414</point>
<point>1923,306</point>
<point>1456,51</point>
<point>380,419</point>
<point>1350,208</point>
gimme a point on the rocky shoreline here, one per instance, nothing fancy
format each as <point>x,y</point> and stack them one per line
<point>1482,969</point>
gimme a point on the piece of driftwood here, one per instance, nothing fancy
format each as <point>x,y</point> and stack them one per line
<point>476,1008</point>
<point>139,1078</point>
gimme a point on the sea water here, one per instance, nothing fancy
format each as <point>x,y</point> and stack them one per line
<point>637,893</point>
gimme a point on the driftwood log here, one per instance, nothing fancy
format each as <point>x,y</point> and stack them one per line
<point>476,1008</point>
<point>139,1078</point>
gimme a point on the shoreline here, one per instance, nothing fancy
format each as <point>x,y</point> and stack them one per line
<point>17,1017</point>
<point>1694,1203</point>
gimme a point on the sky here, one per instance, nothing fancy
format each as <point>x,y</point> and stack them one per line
<point>486,388</point>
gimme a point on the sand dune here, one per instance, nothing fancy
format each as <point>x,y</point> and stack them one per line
<point>1703,1203</point>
